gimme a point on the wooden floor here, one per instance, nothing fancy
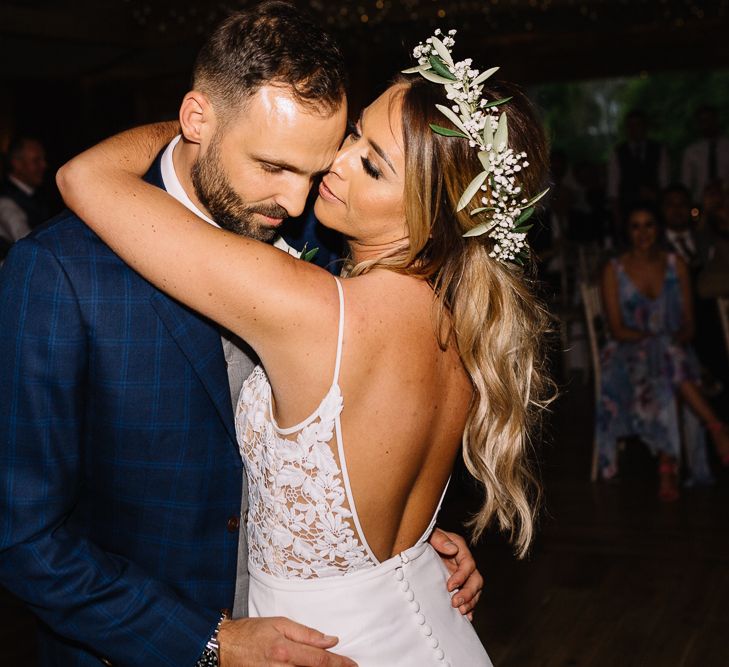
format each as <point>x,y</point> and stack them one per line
<point>616,579</point>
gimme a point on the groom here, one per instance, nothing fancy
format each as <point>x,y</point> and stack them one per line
<point>120,477</point>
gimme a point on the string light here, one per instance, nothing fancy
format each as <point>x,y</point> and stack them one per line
<point>508,16</point>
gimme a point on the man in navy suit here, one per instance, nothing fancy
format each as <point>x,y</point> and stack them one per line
<point>120,477</point>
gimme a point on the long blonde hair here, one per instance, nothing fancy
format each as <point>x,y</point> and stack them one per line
<point>486,308</point>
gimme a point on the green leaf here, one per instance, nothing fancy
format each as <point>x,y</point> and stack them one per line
<point>442,50</point>
<point>484,157</point>
<point>435,78</point>
<point>478,230</point>
<point>484,75</point>
<point>448,113</point>
<point>488,133</point>
<point>525,215</point>
<point>471,190</point>
<point>481,209</point>
<point>498,103</point>
<point>523,229</point>
<point>446,132</point>
<point>439,68</point>
<point>534,200</point>
<point>502,132</point>
<point>307,257</point>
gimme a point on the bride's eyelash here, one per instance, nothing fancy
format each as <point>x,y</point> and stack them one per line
<point>370,168</point>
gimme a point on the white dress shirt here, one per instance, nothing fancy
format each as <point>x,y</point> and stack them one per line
<point>695,166</point>
<point>683,243</point>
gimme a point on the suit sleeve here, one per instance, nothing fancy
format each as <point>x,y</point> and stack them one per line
<point>97,599</point>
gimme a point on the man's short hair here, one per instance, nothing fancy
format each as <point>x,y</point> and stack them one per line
<point>17,145</point>
<point>676,189</point>
<point>274,42</point>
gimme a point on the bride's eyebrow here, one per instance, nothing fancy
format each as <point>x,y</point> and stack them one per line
<point>375,146</point>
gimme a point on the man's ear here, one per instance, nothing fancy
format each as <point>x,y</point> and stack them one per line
<point>196,113</point>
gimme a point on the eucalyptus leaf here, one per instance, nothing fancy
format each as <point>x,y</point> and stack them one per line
<point>484,75</point>
<point>447,132</point>
<point>502,132</point>
<point>442,50</point>
<point>523,229</point>
<point>308,256</point>
<point>525,215</point>
<point>534,200</point>
<point>440,69</point>
<point>435,78</point>
<point>481,209</point>
<point>471,190</point>
<point>498,103</point>
<point>448,113</point>
<point>488,133</point>
<point>478,230</point>
<point>484,157</point>
<point>412,70</point>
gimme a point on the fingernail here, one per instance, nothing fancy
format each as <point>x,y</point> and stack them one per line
<point>459,601</point>
<point>331,638</point>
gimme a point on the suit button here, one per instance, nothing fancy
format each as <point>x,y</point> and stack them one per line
<point>233,524</point>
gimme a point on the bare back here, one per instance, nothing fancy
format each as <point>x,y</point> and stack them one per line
<point>405,403</point>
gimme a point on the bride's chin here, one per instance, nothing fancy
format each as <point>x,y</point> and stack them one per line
<point>323,214</point>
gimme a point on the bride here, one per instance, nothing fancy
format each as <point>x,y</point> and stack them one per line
<point>371,383</point>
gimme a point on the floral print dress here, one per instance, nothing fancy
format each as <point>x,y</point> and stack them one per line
<point>640,379</point>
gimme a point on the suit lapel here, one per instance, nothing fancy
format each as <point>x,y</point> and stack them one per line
<point>199,340</point>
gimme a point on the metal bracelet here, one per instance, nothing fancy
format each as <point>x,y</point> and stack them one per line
<point>211,653</point>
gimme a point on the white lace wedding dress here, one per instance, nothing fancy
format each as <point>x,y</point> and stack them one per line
<point>309,559</point>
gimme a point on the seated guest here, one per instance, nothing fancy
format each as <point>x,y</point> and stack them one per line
<point>647,363</point>
<point>22,206</point>
<point>680,229</point>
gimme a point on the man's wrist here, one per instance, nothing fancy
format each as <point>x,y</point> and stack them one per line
<point>211,653</point>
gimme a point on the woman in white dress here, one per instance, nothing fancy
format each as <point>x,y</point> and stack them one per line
<point>369,384</point>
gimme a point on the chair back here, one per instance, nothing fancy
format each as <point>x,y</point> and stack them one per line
<point>723,303</point>
<point>595,322</point>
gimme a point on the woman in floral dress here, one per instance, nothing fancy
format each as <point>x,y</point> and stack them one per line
<point>647,363</point>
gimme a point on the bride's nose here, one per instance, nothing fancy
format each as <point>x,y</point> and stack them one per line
<point>344,159</point>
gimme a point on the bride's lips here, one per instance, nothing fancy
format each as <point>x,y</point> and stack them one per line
<point>326,194</point>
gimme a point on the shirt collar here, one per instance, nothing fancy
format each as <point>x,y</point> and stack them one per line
<point>174,186</point>
<point>24,187</point>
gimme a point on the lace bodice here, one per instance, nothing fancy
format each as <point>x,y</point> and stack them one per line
<point>302,522</point>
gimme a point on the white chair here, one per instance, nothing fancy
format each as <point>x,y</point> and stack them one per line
<point>595,322</point>
<point>723,303</point>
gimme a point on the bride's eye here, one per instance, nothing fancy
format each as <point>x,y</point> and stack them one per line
<point>370,168</point>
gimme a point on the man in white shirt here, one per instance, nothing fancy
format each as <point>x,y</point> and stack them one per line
<point>21,206</point>
<point>706,161</point>
<point>680,235</point>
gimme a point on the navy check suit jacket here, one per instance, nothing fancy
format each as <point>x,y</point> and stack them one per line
<point>119,468</point>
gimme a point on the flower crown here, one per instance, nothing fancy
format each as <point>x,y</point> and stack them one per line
<point>477,119</point>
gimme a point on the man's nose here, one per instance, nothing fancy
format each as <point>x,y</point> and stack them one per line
<point>294,200</point>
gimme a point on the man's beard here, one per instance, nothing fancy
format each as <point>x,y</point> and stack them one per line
<point>224,204</point>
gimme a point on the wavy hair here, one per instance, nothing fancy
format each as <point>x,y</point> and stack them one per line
<point>487,309</point>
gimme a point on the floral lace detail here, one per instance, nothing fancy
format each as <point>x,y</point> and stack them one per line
<point>300,523</point>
